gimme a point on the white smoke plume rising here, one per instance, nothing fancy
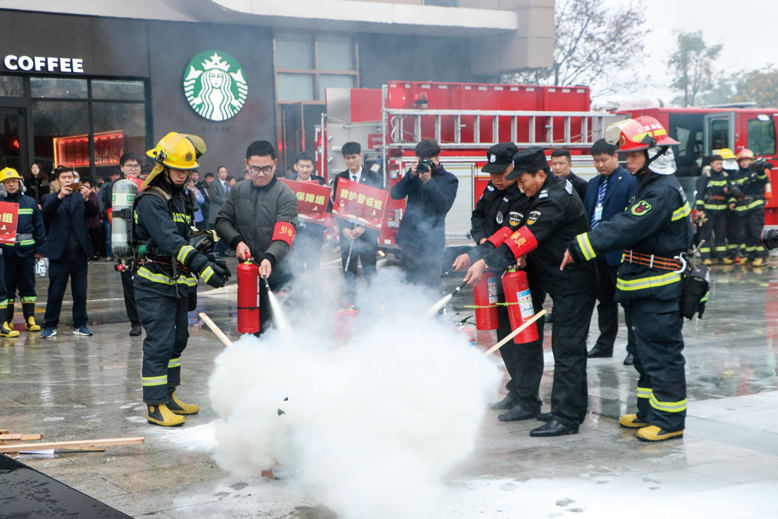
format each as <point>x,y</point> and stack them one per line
<point>370,423</point>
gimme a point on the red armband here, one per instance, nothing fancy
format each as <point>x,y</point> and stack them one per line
<point>285,232</point>
<point>522,242</point>
<point>500,236</point>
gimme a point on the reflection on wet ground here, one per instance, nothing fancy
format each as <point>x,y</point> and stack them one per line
<point>80,387</point>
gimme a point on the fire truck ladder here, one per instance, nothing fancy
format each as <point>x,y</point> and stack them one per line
<point>404,127</point>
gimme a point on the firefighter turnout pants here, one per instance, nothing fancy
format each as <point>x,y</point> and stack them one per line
<point>524,362</point>
<point>20,277</point>
<point>658,358</point>
<point>753,222</point>
<point>713,236</point>
<point>734,233</point>
<point>164,317</point>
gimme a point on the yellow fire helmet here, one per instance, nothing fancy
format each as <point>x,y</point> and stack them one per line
<point>176,151</point>
<point>724,153</point>
<point>9,174</point>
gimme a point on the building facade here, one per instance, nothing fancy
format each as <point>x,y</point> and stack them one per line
<point>84,82</point>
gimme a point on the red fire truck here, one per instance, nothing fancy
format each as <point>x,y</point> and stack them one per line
<point>468,118</point>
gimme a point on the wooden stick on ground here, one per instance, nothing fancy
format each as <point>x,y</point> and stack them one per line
<point>515,332</point>
<point>215,329</point>
<point>20,437</point>
<point>77,444</point>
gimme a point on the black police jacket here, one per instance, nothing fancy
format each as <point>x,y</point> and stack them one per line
<point>423,226</point>
<point>495,210</point>
<point>556,215</point>
<point>655,222</point>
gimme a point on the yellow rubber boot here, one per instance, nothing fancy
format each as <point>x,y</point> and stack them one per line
<point>707,262</point>
<point>7,331</point>
<point>631,421</point>
<point>31,325</point>
<point>728,261</point>
<point>179,407</point>
<point>758,262</point>
<point>162,415</point>
<point>742,261</point>
<point>652,433</point>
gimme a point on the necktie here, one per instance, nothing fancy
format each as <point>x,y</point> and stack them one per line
<point>597,216</point>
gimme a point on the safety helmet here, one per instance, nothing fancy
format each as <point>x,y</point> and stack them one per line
<point>176,151</point>
<point>640,133</point>
<point>724,153</point>
<point>745,153</point>
<point>9,174</point>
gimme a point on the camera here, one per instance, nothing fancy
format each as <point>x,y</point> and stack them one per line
<point>769,238</point>
<point>425,165</point>
<point>75,186</point>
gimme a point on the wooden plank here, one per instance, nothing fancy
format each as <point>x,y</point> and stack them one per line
<point>77,444</point>
<point>4,431</point>
<point>20,437</point>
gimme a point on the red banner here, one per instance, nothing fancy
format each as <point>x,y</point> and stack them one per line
<point>312,200</point>
<point>138,181</point>
<point>9,215</point>
<point>360,203</point>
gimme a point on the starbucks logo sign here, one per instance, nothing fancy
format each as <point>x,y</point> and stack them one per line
<point>214,85</point>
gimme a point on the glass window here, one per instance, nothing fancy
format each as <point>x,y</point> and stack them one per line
<point>61,132</point>
<point>295,87</point>
<point>125,90</point>
<point>334,81</point>
<point>761,136</point>
<point>119,128</point>
<point>294,51</point>
<point>11,86</point>
<point>58,87</point>
<point>336,52</point>
<point>719,134</point>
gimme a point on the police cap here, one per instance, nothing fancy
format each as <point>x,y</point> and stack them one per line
<point>531,159</point>
<point>499,157</point>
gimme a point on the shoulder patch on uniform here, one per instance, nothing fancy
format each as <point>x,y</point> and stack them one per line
<point>533,217</point>
<point>640,208</point>
<point>515,218</point>
<point>569,187</point>
<point>490,188</point>
<point>543,193</point>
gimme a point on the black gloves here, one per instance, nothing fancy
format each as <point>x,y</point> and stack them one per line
<point>215,273</point>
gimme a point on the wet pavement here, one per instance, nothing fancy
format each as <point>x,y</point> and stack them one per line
<point>726,466</point>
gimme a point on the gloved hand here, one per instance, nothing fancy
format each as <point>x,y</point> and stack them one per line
<point>214,273</point>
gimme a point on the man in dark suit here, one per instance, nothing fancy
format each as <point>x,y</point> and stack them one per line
<point>561,165</point>
<point>68,248</point>
<point>607,195</point>
<point>357,243</point>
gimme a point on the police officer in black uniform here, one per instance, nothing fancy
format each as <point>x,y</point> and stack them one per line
<point>555,216</point>
<point>499,212</point>
<point>654,231</point>
<point>165,283</point>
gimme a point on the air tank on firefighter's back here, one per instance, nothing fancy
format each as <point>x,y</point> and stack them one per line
<point>122,200</point>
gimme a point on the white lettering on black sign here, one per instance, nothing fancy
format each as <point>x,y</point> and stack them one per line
<point>44,64</point>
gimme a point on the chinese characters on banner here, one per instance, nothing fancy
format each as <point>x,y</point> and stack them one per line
<point>9,214</point>
<point>360,203</point>
<point>312,199</point>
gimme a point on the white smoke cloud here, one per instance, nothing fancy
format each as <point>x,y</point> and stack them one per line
<point>370,423</point>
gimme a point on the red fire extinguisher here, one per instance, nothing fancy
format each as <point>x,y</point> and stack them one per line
<point>248,297</point>
<point>485,300</point>
<point>519,303</point>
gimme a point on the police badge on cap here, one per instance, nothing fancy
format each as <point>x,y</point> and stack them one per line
<point>530,160</point>
<point>499,157</point>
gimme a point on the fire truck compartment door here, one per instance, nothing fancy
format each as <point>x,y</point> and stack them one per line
<point>718,132</point>
<point>458,218</point>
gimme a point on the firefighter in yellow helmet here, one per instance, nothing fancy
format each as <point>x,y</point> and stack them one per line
<point>19,257</point>
<point>733,230</point>
<point>168,269</point>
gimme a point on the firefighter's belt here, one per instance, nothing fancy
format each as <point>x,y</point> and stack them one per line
<point>652,261</point>
<point>716,197</point>
<point>181,268</point>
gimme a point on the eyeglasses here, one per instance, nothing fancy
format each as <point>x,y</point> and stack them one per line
<point>132,166</point>
<point>261,170</point>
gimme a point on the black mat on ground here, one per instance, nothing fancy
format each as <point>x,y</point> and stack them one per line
<point>27,493</point>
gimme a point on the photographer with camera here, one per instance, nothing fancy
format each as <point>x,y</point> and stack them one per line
<point>431,191</point>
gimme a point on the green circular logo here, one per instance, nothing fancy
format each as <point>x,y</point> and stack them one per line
<point>214,85</point>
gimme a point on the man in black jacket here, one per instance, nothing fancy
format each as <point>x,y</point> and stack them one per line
<point>556,215</point>
<point>68,248</point>
<point>561,165</point>
<point>431,191</point>
<point>357,243</point>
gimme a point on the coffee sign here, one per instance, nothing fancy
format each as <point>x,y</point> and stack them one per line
<point>43,64</point>
<point>214,85</point>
